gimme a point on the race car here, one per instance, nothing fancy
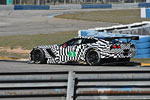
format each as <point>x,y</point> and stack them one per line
<point>91,50</point>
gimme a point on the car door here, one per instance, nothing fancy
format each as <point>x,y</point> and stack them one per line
<point>68,50</point>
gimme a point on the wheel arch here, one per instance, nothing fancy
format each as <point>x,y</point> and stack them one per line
<point>91,48</point>
<point>98,55</point>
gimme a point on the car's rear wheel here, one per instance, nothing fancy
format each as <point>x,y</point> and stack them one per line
<point>92,58</point>
<point>38,56</point>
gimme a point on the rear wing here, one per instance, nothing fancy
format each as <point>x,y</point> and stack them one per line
<point>128,38</point>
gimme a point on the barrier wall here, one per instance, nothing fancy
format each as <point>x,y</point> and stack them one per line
<point>143,5</point>
<point>74,6</point>
<point>140,28</point>
<point>6,7</point>
<point>31,7</point>
<point>89,6</point>
<point>55,7</point>
<point>125,5</point>
<point>143,47</point>
<point>67,6</point>
<point>143,56</point>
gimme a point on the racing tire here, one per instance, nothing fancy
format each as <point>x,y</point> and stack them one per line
<point>92,58</point>
<point>38,56</point>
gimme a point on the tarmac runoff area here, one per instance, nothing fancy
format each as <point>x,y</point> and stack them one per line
<point>42,22</point>
<point>21,66</point>
<point>16,61</point>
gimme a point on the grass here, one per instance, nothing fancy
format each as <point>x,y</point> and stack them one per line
<point>126,16</point>
<point>142,60</point>
<point>13,55</point>
<point>30,41</point>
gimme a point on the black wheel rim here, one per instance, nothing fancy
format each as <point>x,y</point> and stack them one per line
<point>93,57</point>
<point>36,56</point>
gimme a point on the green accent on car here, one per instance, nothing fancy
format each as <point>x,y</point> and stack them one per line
<point>72,54</point>
<point>69,54</point>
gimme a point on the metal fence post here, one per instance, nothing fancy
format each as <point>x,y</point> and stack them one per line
<point>20,2</point>
<point>70,85</point>
<point>38,2</point>
<point>75,88</point>
<point>64,2</point>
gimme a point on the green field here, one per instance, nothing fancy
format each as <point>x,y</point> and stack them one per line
<point>142,60</point>
<point>30,41</point>
<point>113,16</point>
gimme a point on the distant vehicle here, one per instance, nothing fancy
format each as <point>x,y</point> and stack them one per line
<point>91,50</point>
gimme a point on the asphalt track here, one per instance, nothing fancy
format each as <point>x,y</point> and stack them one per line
<point>42,22</point>
<point>16,66</point>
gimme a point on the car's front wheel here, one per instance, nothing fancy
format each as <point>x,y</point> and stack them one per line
<point>38,56</point>
<point>92,58</point>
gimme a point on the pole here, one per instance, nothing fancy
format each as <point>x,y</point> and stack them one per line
<point>64,2</point>
<point>45,2</point>
<point>38,2</point>
<point>20,2</point>
<point>70,88</point>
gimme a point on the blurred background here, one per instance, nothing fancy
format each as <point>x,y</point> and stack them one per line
<point>49,2</point>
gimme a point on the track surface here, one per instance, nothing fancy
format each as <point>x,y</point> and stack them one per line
<point>10,66</point>
<point>38,22</point>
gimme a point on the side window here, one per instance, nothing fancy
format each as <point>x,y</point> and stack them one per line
<point>74,42</point>
<point>89,41</point>
<point>70,42</point>
<point>78,41</point>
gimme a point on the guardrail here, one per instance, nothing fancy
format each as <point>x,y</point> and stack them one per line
<point>112,85</point>
<point>89,6</point>
<point>33,84</point>
<point>31,7</point>
<point>145,5</point>
<point>74,6</point>
<point>76,85</point>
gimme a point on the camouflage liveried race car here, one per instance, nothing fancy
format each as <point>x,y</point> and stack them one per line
<point>91,50</point>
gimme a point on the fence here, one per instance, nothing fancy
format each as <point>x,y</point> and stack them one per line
<point>31,7</point>
<point>76,85</point>
<point>33,84</point>
<point>89,6</point>
<point>140,5</point>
